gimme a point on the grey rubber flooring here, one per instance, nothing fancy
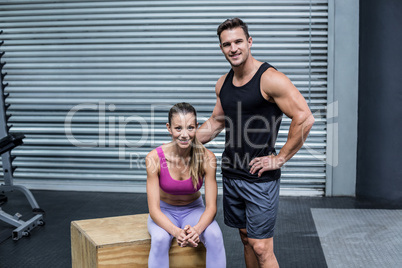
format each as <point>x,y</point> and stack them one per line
<point>297,243</point>
<point>366,238</point>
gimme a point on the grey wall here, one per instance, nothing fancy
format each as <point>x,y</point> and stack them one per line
<point>343,61</point>
<point>379,165</point>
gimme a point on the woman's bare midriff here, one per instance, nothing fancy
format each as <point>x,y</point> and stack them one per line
<point>179,200</point>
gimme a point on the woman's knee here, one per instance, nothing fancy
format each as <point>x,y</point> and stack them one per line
<point>161,240</point>
<point>213,234</point>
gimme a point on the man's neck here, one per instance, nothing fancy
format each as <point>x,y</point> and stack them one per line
<point>246,71</point>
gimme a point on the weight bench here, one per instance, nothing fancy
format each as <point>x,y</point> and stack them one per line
<point>23,227</point>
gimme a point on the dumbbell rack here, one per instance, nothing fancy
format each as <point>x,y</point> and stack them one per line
<point>11,141</point>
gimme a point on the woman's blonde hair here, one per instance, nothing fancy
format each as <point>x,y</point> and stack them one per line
<point>197,153</point>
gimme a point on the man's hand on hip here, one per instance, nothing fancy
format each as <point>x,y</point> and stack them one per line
<point>265,163</point>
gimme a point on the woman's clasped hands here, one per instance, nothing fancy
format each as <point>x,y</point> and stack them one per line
<point>188,237</point>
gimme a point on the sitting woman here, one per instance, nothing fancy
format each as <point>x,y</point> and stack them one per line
<point>175,174</point>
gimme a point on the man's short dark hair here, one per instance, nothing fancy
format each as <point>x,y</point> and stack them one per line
<point>231,24</point>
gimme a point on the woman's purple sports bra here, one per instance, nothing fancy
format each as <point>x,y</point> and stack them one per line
<point>170,185</point>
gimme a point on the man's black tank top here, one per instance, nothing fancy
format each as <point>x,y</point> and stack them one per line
<point>251,124</point>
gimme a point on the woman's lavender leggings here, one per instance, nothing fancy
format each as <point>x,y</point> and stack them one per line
<point>181,216</point>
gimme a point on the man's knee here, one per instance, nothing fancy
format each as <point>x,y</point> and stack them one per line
<point>262,247</point>
<point>244,237</point>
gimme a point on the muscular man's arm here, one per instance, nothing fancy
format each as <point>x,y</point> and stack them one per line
<point>277,86</point>
<point>216,123</point>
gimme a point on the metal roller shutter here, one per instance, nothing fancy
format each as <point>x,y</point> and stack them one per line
<point>90,82</point>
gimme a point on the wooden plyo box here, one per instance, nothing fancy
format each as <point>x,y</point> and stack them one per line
<point>123,242</point>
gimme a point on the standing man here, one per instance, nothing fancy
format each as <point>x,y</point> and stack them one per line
<point>250,101</point>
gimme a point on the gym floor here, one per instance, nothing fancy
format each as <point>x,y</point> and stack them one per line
<point>297,241</point>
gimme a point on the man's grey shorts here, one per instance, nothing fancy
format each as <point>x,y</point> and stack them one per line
<point>252,206</point>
